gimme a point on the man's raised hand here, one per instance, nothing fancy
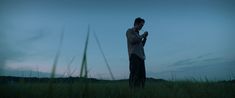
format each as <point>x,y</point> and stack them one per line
<point>145,34</point>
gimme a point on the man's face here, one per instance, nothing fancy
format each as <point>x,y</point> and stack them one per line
<point>140,25</point>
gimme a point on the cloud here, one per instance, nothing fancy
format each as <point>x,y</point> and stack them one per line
<point>26,73</point>
<point>188,61</point>
<point>212,71</point>
<point>7,52</point>
<point>218,69</point>
<point>37,36</point>
<point>10,50</point>
<point>202,67</point>
<point>4,51</point>
<point>195,60</point>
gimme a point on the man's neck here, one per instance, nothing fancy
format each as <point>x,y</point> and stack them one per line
<point>135,29</point>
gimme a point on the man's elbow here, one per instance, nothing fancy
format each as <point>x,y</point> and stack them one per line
<point>135,41</point>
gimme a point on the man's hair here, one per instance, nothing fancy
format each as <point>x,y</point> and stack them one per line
<point>138,20</point>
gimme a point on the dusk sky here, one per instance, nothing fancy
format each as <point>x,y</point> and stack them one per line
<point>187,38</point>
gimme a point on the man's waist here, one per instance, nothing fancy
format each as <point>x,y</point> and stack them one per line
<point>142,56</point>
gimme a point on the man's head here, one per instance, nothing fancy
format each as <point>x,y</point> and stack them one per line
<point>139,23</point>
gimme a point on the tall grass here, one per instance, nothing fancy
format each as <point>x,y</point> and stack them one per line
<point>68,71</point>
<point>83,70</point>
<point>55,62</point>
<point>106,61</point>
<point>53,71</point>
<point>120,89</point>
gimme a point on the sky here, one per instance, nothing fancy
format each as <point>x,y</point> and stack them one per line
<point>188,39</point>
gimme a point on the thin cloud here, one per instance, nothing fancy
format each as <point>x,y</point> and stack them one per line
<point>7,53</point>
<point>195,60</point>
<point>4,51</point>
<point>37,36</point>
<point>212,69</point>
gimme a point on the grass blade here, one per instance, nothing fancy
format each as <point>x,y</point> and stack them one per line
<point>53,71</point>
<point>68,71</point>
<point>57,55</point>
<point>106,61</point>
<point>83,70</point>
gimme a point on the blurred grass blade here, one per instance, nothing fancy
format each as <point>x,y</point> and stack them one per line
<point>57,55</point>
<point>68,71</point>
<point>83,70</point>
<point>106,61</point>
<point>53,71</point>
<point>74,70</point>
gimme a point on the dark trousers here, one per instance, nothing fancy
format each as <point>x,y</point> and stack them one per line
<point>137,72</point>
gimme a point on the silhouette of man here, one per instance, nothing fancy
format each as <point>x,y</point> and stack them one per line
<point>135,44</point>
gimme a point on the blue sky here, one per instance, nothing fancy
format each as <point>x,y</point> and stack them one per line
<point>187,39</point>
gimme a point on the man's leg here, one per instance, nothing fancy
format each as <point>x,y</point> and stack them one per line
<point>131,76</point>
<point>143,73</point>
<point>134,71</point>
<point>140,72</point>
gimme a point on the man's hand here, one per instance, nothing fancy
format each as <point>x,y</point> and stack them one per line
<point>145,37</point>
<point>145,34</point>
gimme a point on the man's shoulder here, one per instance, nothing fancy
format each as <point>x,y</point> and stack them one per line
<point>129,30</point>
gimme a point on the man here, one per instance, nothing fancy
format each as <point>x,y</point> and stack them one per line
<point>135,44</point>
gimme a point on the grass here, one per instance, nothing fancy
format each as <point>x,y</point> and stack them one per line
<point>119,89</point>
<point>53,71</point>
<point>105,59</point>
<point>50,87</point>
<point>83,70</point>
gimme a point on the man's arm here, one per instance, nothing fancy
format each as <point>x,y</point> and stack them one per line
<point>133,38</point>
<point>144,41</point>
<point>144,37</point>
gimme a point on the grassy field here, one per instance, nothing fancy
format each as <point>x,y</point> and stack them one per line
<point>115,89</point>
